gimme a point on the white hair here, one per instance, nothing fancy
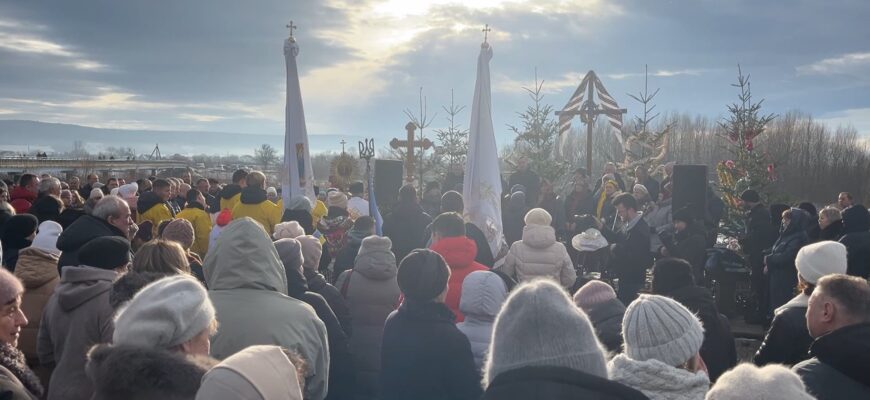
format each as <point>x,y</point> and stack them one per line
<point>109,206</point>
<point>49,185</point>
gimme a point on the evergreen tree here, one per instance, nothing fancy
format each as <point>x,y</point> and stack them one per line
<point>538,136</point>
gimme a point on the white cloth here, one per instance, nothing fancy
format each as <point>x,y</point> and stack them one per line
<point>297,178</point>
<point>481,188</point>
<point>657,380</point>
<point>590,240</point>
<point>358,207</point>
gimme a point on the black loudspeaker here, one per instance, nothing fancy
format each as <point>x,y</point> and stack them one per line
<point>389,175</point>
<point>690,189</point>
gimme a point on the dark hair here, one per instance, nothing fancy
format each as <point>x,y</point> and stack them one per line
<point>810,208</point>
<point>670,274</point>
<point>848,195</point>
<point>25,180</point>
<point>364,223</point>
<point>201,180</point>
<point>850,292</point>
<point>408,194</point>
<point>112,179</point>
<point>449,224</point>
<point>584,222</point>
<point>160,183</point>
<point>627,201</point>
<point>192,194</point>
<point>239,174</point>
<point>451,201</point>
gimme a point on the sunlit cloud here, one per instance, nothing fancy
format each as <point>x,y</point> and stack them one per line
<point>201,117</point>
<point>662,73</point>
<point>16,38</point>
<point>851,63</point>
<point>858,118</point>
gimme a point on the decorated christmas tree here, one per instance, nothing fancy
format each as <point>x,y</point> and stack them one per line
<point>747,168</point>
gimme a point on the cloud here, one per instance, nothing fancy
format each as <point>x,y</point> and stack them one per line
<point>15,37</point>
<point>858,118</point>
<point>662,73</point>
<point>848,64</point>
<point>200,117</point>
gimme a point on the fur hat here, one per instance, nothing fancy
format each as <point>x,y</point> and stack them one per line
<point>819,259</point>
<point>46,237</point>
<point>164,314</point>
<point>593,292</point>
<point>660,328</point>
<point>423,275</point>
<point>538,325</point>
<point>538,216</point>
<point>337,199</point>
<point>746,381</point>
<point>312,249</point>
<point>289,229</point>
<point>180,231</point>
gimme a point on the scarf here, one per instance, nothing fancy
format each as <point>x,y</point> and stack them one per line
<point>602,198</point>
<point>658,380</point>
<point>13,359</point>
<point>628,226</point>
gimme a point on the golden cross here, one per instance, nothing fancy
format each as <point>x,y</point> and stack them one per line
<point>486,30</point>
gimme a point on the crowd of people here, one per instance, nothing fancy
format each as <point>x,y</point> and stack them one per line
<point>187,288</point>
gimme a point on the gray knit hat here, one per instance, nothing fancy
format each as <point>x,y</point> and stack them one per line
<point>746,381</point>
<point>164,314</point>
<point>660,328</point>
<point>539,325</point>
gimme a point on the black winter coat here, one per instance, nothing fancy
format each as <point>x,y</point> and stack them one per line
<point>856,238</point>
<point>838,369</point>
<point>834,231</point>
<point>787,341</point>
<point>630,252</point>
<point>81,231</point>
<point>530,181</point>
<point>718,349</point>
<point>760,234</point>
<point>405,227</point>
<point>424,356</point>
<point>606,318</point>
<point>344,260</point>
<point>690,245</point>
<point>46,208</point>
<point>556,383</point>
<point>70,215</point>
<point>781,268</point>
<point>304,218</point>
<point>317,284</point>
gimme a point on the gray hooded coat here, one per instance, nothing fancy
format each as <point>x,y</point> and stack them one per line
<point>483,293</point>
<point>248,288</point>
<point>372,293</point>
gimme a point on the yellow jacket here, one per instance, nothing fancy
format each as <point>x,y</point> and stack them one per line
<point>266,213</point>
<point>318,212</point>
<point>201,227</point>
<point>156,214</point>
<point>231,202</point>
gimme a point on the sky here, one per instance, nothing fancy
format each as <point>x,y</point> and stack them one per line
<point>218,65</point>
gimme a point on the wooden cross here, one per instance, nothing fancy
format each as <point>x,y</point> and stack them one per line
<point>486,30</point>
<point>342,145</point>
<point>291,27</point>
<point>409,145</point>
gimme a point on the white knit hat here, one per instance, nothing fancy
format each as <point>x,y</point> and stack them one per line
<point>96,193</point>
<point>164,314</point>
<point>538,325</point>
<point>288,230</point>
<point>746,381</point>
<point>819,259</point>
<point>46,237</point>
<point>128,191</point>
<point>660,328</point>
<point>538,216</point>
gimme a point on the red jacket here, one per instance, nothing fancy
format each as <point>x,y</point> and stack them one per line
<point>22,199</point>
<point>459,253</point>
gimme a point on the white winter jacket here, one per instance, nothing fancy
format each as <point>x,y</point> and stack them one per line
<point>539,255</point>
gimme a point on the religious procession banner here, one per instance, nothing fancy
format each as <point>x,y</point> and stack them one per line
<point>297,177</point>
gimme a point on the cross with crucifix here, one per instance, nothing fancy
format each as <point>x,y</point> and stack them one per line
<point>409,146</point>
<point>291,27</point>
<point>589,110</point>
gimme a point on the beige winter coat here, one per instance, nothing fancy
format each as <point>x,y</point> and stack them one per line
<point>539,255</point>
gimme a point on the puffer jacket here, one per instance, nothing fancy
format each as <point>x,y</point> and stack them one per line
<point>788,340</point>
<point>606,318</point>
<point>37,270</point>
<point>539,255</point>
<point>80,232</point>
<point>459,253</point>
<point>483,293</point>
<point>780,263</point>
<point>229,196</point>
<point>152,208</point>
<point>195,213</point>
<point>248,287</point>
<point>372,293</point>
<point>838,369</point>
<point>657,380</point>
<point>253,204</point>
<point>77,316</point>
<point>856,238</point>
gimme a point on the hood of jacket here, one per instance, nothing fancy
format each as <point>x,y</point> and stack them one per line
<point>36,267</point>
<point>258,372</point>
<point>147,201</point>
<point>133,372</point>
<point>658,380</point>
<point>483,293</point>
<point>230,190</point>
<point>375,260</point>
<point>244,258</point>
<point>252,195</point>
<point>856,219</point>
<point>847,350</point>
<point>290,253</point>
<point>84,230</point>
<point>407,209</point>
<point>799,222</point>
<point>458,251</point>
<point>539,236</point>
<point>21,193</point>
<point>78,285</point>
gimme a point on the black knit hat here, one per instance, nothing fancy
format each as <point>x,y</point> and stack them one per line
<point>750,196</point>
<point>423,275</point>
<point>670,274</point>
<point>106,252</point>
